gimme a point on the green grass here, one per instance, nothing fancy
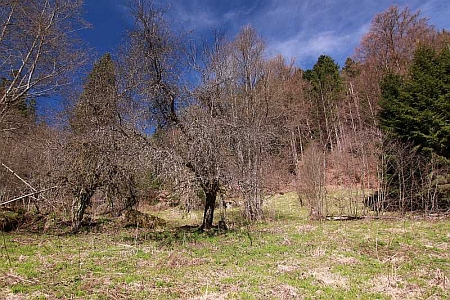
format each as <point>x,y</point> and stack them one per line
<point>285,256</point>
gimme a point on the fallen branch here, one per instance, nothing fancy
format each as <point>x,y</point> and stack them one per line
<point>26,183</point>
<point>342,218</point>
<point>20,178</point>
<point>28,195</point>
<point>17,277</point>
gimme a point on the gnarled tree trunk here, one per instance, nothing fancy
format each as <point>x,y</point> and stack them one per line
<point>208,215</point>
<point>81,202</point>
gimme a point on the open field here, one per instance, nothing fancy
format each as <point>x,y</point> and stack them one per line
<point>286,256</point>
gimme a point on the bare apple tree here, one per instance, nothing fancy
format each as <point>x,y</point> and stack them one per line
<point>186,137</point>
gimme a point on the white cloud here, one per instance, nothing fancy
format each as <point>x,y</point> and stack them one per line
<point>302,29</point>
<point>306,50</point>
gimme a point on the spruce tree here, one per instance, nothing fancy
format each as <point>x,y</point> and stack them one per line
<point>416,108</point>
<point>99,152</point>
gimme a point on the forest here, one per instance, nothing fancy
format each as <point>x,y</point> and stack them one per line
<point>205,126</point>
<point>213,170</point>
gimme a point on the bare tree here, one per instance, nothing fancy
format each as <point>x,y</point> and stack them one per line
<point>408,180</point>
<point>313,185</point>
<point>99,154</point>
<point>23,166</point>
<point>392,39</point>
<point>152,62</point>
<point>388,47</point>
<point>202,150</point>
<point>250,105</point>
<point>189,139</point>
<point>218,127</point>
<point>37,47</point>
<point>237,92</point>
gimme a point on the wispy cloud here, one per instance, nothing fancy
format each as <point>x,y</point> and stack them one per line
<point>304,30</point>
<point>301,47</point>
<point>298,29</point>
<point>306,46</point>
<point>437,11</point>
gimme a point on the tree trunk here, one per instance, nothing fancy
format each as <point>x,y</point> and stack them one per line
<point>79,207</point>
<point>208,215</point>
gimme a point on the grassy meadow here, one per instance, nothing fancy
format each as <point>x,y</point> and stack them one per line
<point>285,257</point>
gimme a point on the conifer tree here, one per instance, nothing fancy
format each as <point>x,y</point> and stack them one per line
<point>97,105</point>
<point>417,108</point>
<point>325,91</point>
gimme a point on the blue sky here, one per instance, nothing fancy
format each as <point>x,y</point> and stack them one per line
<point>296,29</point>
<point>299,29</point>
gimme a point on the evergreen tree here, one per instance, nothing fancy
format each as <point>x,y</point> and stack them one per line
<point>99,154</point>
<point>97,105</point>
<point>22,112</point>
<point>325,91</point>
<point>351,68</point>
<point>417,108</point>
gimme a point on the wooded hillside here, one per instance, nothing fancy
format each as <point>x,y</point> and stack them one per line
<point>164,120</point>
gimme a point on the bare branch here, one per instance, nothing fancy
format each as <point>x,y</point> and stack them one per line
<point>28,195</point>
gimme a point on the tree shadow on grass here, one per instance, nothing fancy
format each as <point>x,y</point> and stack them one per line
<point>186,234</point>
